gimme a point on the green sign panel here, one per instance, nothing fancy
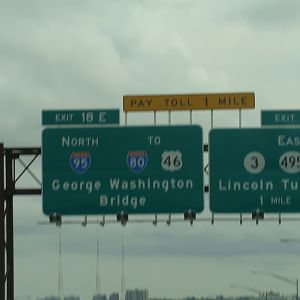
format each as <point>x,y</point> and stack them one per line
<point>80,117</point>
<point>280,117</point>
<point>254,169</point>
<point>140,170</point>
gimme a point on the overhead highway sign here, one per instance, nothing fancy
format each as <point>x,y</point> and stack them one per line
<point>254,169</point>
<point>140,170</point>
<point>137,103</point>
<point>80,117</point>
<point>280,118</point>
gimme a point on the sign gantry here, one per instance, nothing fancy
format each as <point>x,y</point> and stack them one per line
<point>153,169</point>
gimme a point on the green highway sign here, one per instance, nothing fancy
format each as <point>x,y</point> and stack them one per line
<point>106,170</point>
<point>80,117</point>
<point>280,117</point>
<point>254,169</point>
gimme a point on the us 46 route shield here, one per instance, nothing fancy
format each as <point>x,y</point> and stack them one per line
<point>154,169</point>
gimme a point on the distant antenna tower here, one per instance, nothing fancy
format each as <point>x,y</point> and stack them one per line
<point>60,272</point>
<point>123,270</point>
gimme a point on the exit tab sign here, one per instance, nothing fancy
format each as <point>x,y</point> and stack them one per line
<point>188,102</point>
<point>280,117</point>
<point>80,117</point>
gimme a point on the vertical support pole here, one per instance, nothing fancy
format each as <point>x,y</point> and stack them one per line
<point>9,224</point>
<point>98,282</point>
<point>125,118</point>
<point>123,288</point>
<point>60,271</point>
<point>2,227</point>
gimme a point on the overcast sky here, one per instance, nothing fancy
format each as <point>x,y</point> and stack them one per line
<point>87,54</point>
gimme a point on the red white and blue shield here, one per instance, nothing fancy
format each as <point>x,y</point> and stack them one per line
<point>80,161</point>
<point>137,160</point>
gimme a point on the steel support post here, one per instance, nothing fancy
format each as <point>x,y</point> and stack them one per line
<point>7,192</point>
<point>10,185</point>
<point>2,227</point>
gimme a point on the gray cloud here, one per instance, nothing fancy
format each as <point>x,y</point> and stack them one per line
<point>272,14</point>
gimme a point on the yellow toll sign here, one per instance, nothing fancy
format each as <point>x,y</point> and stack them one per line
<point>189,102</point>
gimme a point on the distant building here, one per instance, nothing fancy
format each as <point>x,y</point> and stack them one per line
<point>114,296</point>
<point>100,297</point>
<point>71,298</point>
<point>137,295</point>
<point>58,298</point>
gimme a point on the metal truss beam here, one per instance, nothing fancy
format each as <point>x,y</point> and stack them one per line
<point>8,156</point>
